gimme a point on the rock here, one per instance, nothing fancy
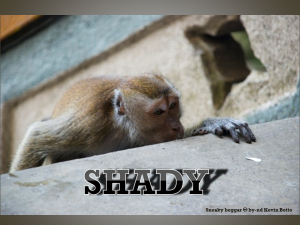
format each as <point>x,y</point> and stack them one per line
<point>222,57</point>
<point>275,42</point>
<point>220,25</point>
<point>235,181</point>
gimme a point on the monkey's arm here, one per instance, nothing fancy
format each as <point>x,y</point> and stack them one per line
<point>220,125</point>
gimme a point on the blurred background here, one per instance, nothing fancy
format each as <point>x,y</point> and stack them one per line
<point>245,67</point>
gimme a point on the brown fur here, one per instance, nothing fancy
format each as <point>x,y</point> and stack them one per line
<point>86,121</point>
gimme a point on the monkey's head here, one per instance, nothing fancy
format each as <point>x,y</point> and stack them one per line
<point>148,108</point>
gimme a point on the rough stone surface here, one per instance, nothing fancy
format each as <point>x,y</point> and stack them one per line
<point>220,25</point>
<point>275,41</point>
<point>286,107</point>
<point>59,188</point>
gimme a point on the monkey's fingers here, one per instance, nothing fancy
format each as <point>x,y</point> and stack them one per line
<point>247,133</point>
<point>200,131</point>
<point>234,134</point>
<point>244,130</point>
<point>214,129</point>
<point>218,131</point>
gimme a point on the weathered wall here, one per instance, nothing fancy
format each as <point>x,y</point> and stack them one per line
<point>162,47</point>
<point>63,45</point>
<point>275,41</point>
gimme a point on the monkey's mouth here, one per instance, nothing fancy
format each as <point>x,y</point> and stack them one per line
<point>180,134</point>
<point>177,137</point>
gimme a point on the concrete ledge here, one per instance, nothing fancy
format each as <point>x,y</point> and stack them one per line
<point>59,188</point>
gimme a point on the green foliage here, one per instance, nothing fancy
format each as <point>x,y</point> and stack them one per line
<point>252,62</point>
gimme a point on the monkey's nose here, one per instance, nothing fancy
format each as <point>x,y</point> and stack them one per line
<point>175,128</point>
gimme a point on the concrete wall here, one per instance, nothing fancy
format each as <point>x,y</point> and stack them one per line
<point>38,71</point>
<point>274,94</point>
<point>63,45</point>
<point>233,181</point>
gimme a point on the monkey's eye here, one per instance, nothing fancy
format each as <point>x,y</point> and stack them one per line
<point>172,106</point>
<point>158,112</point>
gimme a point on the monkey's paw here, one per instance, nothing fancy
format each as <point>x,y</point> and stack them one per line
<point>220,125</point>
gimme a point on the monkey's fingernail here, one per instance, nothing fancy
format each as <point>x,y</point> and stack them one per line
<point>202,132</point>
<point>236,139</point>
<point>219,132</point>
<point>247,139</point>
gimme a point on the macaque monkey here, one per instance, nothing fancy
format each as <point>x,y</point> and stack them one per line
<point>105,114</point>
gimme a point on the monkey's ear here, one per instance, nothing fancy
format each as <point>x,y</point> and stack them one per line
<point>119,103</point>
